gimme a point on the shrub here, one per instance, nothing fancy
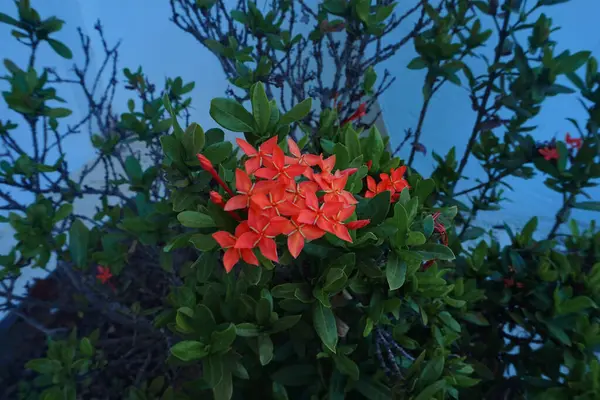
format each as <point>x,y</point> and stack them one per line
<point>307,260</point>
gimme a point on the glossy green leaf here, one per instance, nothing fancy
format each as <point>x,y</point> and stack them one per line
<point>325,325</point>
<point>195,219</point>
<point>265,349</point>
<point>78,243</point>
<point>231,115</point>
<point>189,350</point>
<point>395,271</point>
<point>298,112</point>
<point>260,107</point>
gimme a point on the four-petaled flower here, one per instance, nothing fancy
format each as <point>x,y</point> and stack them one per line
<point>232,255</point>
<point>549,153</point>
<point>246,189</point>
<point>257,158</point>
<point>298,233</point>
<point>279,169</point>
<point>261,235</point>
<point>103,274</point>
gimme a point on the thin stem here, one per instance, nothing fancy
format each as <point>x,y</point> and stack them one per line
<point>503,34</point>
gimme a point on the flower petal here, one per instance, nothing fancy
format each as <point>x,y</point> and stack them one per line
<point>261,201</point>
<point>252,165</point>
<point>295,150</point>
<point>342,232</point>
<point>295,244</point>
<point>278,157</point>
<point>265,173</point>
<point>268,248</point>
<point>225,239</point>
<point>361,223</point>
<point>246,147</point>
<point>242,181</point>
<point>236,203</point>
<point>230,258</point>
<point>312,232</point>
<point>307,217</point>
<point>249,257</point>
<point>246,240</point>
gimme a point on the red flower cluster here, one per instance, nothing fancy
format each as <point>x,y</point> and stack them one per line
<point>298,196</point>
<point>394,182</point>
<point>510,282</point>
<point>551,153</point>
<point>575,143</point>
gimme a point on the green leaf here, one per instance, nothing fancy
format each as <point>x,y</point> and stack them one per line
<point>295,375</point>
<point>298,112</point>
<point>352,143</point>
<point>417,63</point>
<point>415,239</point>
<point>374,147</point>
<point>588,205</point>
<point>60,48</point>
<point>260,107</point>
<point>424,189</point>
<point>44,366</point>
<point>57,112</point>
<point>133,169</point>
<point>194,138</point>
<point>218,152</point>
<point>86,348</point>
<point>222,340</point>
<point>285,323</point>
<point>325,325</point>
<point>224,390</point>
<point>195,219</point>
<point>213,370</point>
<point>63,212</point>
<point>431,251</point>
<point>335,7</point>
<point>449,321</point>
<point>395,271</point>
<point>265,349</point>
<point>231,115</point>
<point>335,280</point>
<point>346,366</point>
<point>7,19</point>
<point>189,350</point>
<point>363,8</point>
<point>373,390</point>
<point>203,242</point>
<point>476,318</point>
<point>369,79</point>
<point>576,305</point>
<point>375,209</point>
<point>78,243</point>
<point>247,329</point>
<point>429,392</point>
<point>433,369</point>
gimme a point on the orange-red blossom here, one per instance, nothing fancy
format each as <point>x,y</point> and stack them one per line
<point>298,196</point>
<point>394,182</point>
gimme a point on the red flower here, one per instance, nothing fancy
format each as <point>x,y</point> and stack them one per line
<point>575,143</point>
<point>428,264</point>
<point>334,188</point>
<point>396,179</point>
<point>278,170</point>
<point>296,192</point>
<point>246,189</point>
<point>361,223</point>
<point>308,160</point>
<point>260,157</point>
<point>318,214</point>
<point>373,188</point>
<point>275,203</point>
<point>232,255</point>
<point>297,233</point>
<point>335,221</point>
<point>509,282</point>
<point>216,198</point>
<point>103,274</point>
<point>359,113</point>
<point>369,164</point>
<point>549,153</point>
<point>263,231</point>
<point>207,166</point>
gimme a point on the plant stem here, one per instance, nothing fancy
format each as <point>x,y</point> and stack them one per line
<point>419,128</point>
<point>486,96</point>
<point>559,217</point>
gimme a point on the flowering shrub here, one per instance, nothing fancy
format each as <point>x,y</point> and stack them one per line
<point>307,260</point>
